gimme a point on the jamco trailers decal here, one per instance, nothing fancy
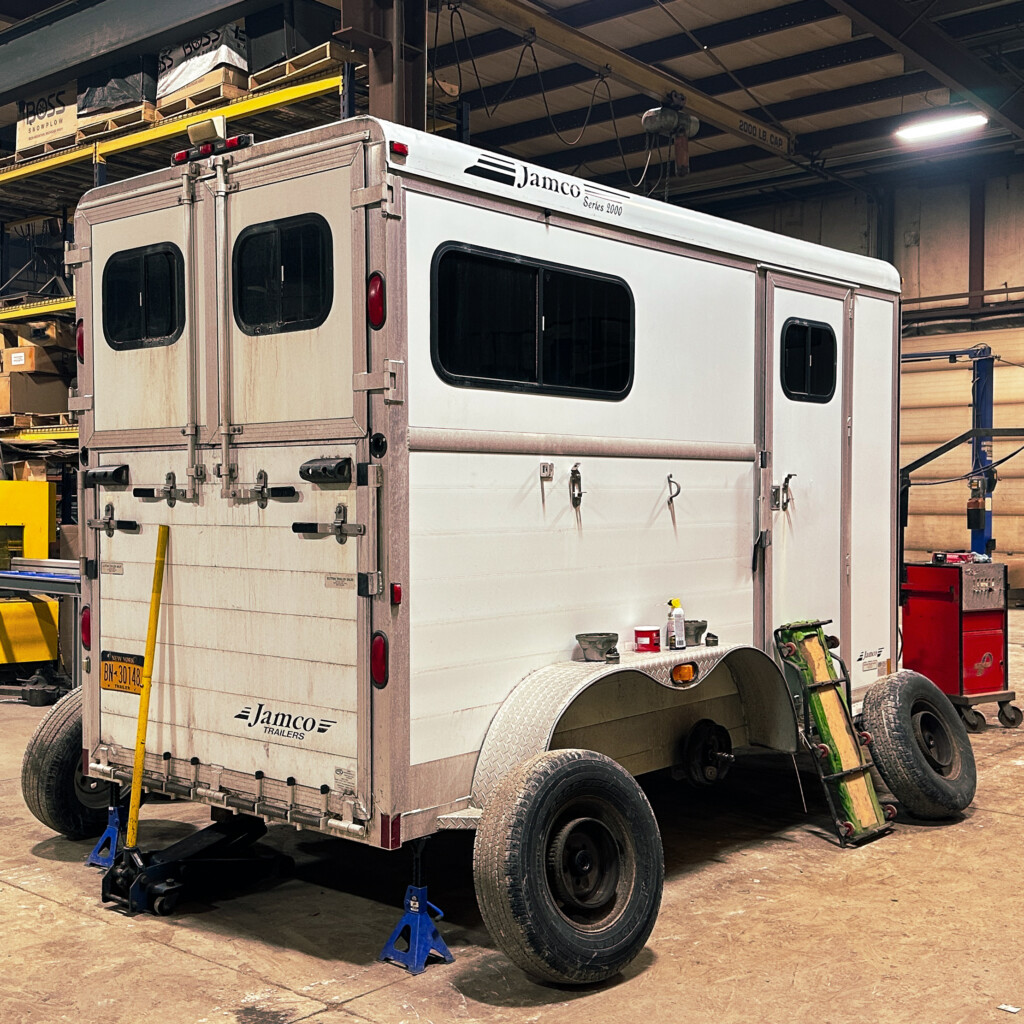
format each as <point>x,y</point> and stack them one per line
<point>289,725</point>
<point>516,175</point>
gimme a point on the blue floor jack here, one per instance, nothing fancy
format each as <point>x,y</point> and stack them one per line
<point>416,926</point>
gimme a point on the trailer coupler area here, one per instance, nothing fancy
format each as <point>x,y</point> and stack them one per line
<point>207,861</point>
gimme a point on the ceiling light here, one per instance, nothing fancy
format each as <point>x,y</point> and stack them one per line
<point>938,127</point>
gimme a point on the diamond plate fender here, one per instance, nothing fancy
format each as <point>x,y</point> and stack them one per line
<point>526,721</point>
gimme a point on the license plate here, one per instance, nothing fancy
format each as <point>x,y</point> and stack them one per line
<point>121,671</point>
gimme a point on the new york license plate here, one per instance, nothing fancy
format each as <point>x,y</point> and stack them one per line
<point>121,671</point>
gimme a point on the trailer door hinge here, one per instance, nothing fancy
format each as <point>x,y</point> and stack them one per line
<point>390,380</point>
<point>76,257</point>
<point>379,193</point>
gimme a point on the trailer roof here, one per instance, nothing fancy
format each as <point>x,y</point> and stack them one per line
<point>466,166</point>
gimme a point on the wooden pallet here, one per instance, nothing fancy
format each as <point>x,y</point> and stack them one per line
<point>209,97</point>
<point>46,148</point>
<point>25,420</point>
<point>107,124</point>
<point>325,57</point>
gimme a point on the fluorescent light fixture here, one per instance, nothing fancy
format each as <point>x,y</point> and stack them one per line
<point>938,127</point>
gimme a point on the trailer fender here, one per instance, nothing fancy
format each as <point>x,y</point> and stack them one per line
<point>529,717</point>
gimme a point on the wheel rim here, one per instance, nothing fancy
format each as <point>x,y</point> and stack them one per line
<point>91,793</point>
<point>934,740</point>
<point>591,868</point>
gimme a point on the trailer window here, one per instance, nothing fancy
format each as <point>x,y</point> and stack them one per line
<point>144,296</point>
<point>808,361</point>
<point>506,322</point>
<point>283,275</point>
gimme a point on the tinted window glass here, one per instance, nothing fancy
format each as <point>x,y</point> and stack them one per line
<point>506,322</point>
<point>144,296</point>
<point>283,279</point>
<point>808,361</point>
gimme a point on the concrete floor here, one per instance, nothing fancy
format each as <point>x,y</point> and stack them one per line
<point>764,919</point>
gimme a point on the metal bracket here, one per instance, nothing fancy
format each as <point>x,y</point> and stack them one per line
<point>110,524</point>
<point>390,380</point>
<point>341,527</point>
<point>370,195</point>
<point>79,403</point>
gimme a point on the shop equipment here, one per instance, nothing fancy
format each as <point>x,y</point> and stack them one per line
<point>955,633</point>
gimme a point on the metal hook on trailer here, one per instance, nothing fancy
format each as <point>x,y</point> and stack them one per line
<point>674,490</point>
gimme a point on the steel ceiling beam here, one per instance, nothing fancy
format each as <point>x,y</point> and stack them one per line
<point>929,46</point>
<point>77,38</point>
<point>645,79</point>
<point>592,12</point>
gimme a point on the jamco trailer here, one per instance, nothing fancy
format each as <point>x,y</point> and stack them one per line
<point>416,415</point>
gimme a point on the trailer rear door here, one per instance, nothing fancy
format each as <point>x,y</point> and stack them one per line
<point>262,627</point>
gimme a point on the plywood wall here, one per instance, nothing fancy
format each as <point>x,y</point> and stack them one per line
<point>935,407</point>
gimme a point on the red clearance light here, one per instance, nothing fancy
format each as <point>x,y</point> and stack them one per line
<point>238,142</point>
<point>86,628</point>
<point>80,339</point>
<point>399,149</point>
<point>379,659</point>
<point>396,593</point>
<point>376,301</point>
<point>181,157</point>
<point>206,149</point>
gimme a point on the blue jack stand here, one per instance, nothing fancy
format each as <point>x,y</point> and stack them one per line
<point>111,840</point>
<point>423,936</point>
<point>417,926</point>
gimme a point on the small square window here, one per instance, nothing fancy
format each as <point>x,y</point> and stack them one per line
<point>808,361</point>
<point>283,275</point>
<point>144,297</point>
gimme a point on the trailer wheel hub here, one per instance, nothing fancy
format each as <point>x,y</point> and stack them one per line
<point>933,739</point>
<point>583,863</point>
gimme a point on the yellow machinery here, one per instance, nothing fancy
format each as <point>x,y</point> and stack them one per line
<point>28,526</point>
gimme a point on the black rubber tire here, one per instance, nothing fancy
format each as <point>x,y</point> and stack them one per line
<point>520,832</point>
<point>51,774</point>
<point>933,786</point>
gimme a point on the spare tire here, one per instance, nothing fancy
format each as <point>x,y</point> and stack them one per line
<point>52,783</point>
<point>920,745</point>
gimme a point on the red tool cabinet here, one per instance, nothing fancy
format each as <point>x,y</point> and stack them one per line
<point>955,633</point>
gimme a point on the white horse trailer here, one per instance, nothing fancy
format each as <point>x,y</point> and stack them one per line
<point>416,415</point>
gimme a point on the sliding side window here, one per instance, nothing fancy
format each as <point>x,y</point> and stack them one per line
<point>515,324</point>
<point>144,296</point>
<point>283,275</point>
<point>808,361</point>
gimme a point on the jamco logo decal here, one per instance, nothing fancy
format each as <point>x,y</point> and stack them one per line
<point>516,175</point>
<point>288,725</point>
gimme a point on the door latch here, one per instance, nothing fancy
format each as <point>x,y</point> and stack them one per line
<point>170,492</point>
<point>782,496</point>
<point>261,492</point>
<point>341,527</point>
<point>110,524</point>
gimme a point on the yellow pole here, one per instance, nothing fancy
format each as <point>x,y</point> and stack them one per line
<point>147,678</point>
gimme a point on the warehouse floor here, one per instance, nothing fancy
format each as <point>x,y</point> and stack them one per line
<point>764,919</point>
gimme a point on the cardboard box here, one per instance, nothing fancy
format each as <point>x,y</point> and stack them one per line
<point>27,469</point>
<point>33,359</point>
<point>32,393</point>
<point>70,543</point>
<point>45,334</point>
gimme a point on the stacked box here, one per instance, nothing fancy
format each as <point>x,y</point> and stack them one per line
<point>37,363</point>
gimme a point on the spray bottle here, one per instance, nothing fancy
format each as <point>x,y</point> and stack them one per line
<point>675,631</point>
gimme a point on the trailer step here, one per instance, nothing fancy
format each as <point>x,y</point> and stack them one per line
<point>840,752</point>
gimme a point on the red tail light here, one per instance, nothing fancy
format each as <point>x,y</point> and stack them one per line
<point>80,340</point>
<point>379,659</point>
<point>86,628</point>
<point>376,301</point>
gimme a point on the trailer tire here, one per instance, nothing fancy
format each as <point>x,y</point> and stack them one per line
<point>921,747</point>
<point>52,783</point>
<point>568,867</point>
